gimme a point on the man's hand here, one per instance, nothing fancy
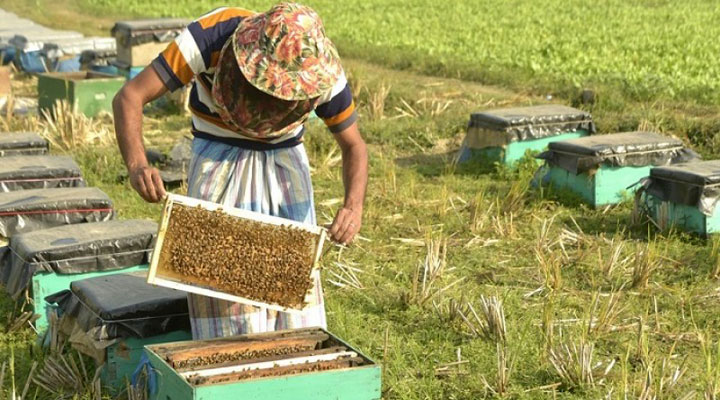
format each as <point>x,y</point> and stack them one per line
<point>346,225</point>
<point>146,181</point>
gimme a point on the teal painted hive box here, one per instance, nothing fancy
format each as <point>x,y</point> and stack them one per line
<point>602,169</point>
<point>506,135</point>
<point>112,318</point>
<point>301,364</point>
<point>87,92</point>
<point>24,211</point>
<point>22,143</point>
<point>50,260</point>
<point>684,196</point>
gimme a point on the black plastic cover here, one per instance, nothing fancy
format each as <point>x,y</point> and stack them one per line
<point>39,172</point>
<point>131,33</point>
<point>694,184</point>
<point>30,210</point>
<point>73,249</point>
<point>617,150</point>
<point>120,306</point>
<point>524,123</point>
<point>22,143</point>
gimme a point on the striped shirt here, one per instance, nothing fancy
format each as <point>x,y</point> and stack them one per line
<point>194,55</point>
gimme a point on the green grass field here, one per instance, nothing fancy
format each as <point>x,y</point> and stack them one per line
<point>595,306</point>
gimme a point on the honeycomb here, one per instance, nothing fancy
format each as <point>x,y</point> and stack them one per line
<point>257,261</point>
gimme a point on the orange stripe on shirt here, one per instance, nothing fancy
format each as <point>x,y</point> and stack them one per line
<point>177,63</point>
<point>340,118</point>
<point>224,15</point>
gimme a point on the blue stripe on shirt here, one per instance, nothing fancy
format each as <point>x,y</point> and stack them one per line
<point>336,105</point>
<point>213,38</point>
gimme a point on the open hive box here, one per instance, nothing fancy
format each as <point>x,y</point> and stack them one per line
<point>236,255</point>
<point>296,364</point>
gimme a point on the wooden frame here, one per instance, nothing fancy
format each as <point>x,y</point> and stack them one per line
<point>158,279</point>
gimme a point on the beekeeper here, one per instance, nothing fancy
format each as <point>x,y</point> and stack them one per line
<point>256,79</point>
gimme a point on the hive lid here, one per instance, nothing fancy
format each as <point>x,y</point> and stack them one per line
<point>122,305</point>
<point>500,127</point>
<point>616,143</point>
<point>21,140</point>
<point>86,247</point>
<point>74,249</point>
<point>522,116</point>
<point>53,199</point>
<point>700,173</point>
<point>141,31</point>
<point>38,167</point>
<point>74,46</point>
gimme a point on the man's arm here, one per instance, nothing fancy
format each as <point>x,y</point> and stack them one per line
<point>355,176</point>
<point>127,108</point>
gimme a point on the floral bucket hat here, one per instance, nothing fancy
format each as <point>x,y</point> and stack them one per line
<point>273,70</point>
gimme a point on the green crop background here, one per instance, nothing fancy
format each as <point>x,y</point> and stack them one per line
<point>645,48</point>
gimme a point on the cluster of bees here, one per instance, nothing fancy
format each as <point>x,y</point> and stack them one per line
<point>222,358</point>
<point>262,373</point>
<point>262,262</point>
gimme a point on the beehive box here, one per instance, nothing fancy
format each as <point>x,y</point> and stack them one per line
<point>112,318</point>
<point>685,196</point>
<point>140,41</point>
<point>29,210</point>
<point>22,143</point>
<point>506,135</point>
<point>64,55</point>
<point>601,169</point>
<point>88,92</point>
<point>28,46</point>
<point>235,255</point>
<point>294,364</point>
<point>49,260</point>
<point>39,172</point>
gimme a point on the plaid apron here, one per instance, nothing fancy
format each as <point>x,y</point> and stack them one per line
<point>274,182</point>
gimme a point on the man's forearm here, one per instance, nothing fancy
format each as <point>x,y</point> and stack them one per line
<point>127,110</point>
<point>355,175</point>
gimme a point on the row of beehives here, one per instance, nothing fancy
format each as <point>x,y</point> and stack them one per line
<point>132,44</point>
<point>669,182</point>
<point>84,274</point>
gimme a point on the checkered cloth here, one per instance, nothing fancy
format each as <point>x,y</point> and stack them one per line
<point>275,182</point>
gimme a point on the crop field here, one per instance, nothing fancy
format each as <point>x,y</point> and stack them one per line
<point>643,48</point>
<point>529,294</point>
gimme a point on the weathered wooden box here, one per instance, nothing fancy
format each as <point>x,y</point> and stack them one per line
<point>49,260</point>
<point>112,318</point>
<point>684,196</point>
<point>302,364</point>
<point>160,274</point>
<point>506,135</point>
<point>602,168</point>
<point>22,143</point>
<point>140,41</point>
<point>87,92</point>
<point>39,172</point>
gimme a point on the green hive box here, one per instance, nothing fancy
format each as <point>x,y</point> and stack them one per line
<point>684,196</point>
<point>112,318</point>
<point>353,380</point>
<point>50,260</point>
<point>601,169</point>
<point>506,135</point>
<point>87,92</point>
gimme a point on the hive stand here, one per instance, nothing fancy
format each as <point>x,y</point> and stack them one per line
<point>87,92</point>
<point>588,167</point>
<point>507,135</point>
<point>354,383</point>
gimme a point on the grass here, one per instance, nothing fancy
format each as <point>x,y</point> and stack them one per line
<point>588,305</point>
